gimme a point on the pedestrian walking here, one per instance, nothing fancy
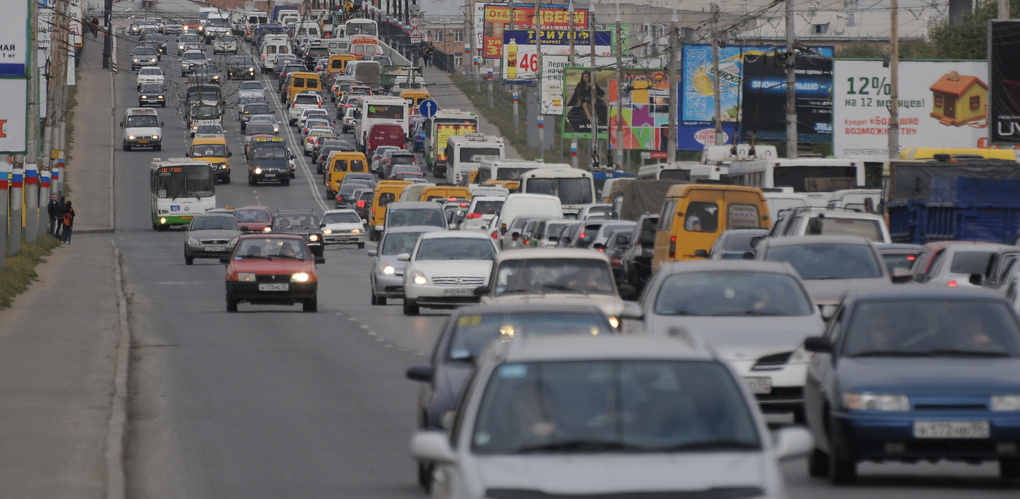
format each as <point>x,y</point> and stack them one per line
<point>428,53</point>
<point>68,219</point>
<point>53,210</point>
<point>61,205</point>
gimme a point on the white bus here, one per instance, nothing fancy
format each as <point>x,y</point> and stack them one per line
<point>380,109</point>
<point>573,186</point>
<point>816,177</point>
<point>180,189</point>
<point>509,169</point>
<point>466,152</point>
<point>438,129</point>
<point>360,26</point>
<point>684,170</point>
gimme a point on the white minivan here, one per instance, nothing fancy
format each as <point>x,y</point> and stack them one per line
<point>519,204</point>
<point>270,51</point>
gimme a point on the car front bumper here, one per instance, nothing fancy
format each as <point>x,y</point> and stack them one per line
<point>389,286</point>
<point>208,250</point>
<point>250,292</point>
<point>343,238</point>
<point>440,296</point>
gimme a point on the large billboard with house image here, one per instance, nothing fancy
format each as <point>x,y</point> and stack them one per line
<point>941,104</point>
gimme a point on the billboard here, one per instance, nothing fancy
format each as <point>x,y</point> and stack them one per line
<point>941,104</point>
<point>491,20</point>
<point>763,99</point>
<point>14,44</point>
<point>13,115</point>
<point>1004,66</point>
<point>553,70</point>
<point>697,94</point>
<point>520,50</point>
<point>645,108</point>
<point>584,104</point>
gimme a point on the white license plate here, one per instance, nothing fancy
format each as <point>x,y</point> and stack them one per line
<point>458,292</point>
<point>269,175</point>
<point>759,384</point>
<point>282,286</point>
<point>951,429</point>
<point>215,249</point>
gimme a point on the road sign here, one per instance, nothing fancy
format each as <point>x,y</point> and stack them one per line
<point>428,108</point>
<point>414,10</point>
<point>415,35</point>
<point>415,21</point>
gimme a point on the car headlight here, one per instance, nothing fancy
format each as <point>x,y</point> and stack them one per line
<point>799,356</point>
<point>355,231</point>
<point>875,402</point>
<point>388,269</point>
<point>419,278</point>
<point>327,232</point>
<point>267,230</point>
<point>155,137</point>
<point>159,97</point>
<point>134,60</point>
<point>193,242</point>
<point>246,276</point>
<point>258,171</point>
<point>615,322</point>
<point>313,237</point>
<point>251,70</point>
<point>145,97</point>
<point>131,137</point>
<point>1006,402</point>
<point>300,277</point>
<point>233,242</point>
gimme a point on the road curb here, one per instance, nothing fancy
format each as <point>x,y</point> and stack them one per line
<point>115,440</point>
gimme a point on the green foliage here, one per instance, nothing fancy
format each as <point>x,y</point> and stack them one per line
<point>862,50</point>
<point>19,270</point>
<point>968,40</point>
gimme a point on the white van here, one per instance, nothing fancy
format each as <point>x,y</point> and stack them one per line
<point>270,51</point>
<point>307,29</point>
<point>141,128</point>
<point>519,204</point>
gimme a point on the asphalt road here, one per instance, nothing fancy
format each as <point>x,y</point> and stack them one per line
<point>274,402</point>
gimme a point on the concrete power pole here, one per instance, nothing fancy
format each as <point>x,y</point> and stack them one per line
<point>717,80</point>
<point>674,81</point>
<point>570,62</point>
<point>618,156</point>
<point>791,83</point>
<point>594,88</point>
<point>894,82</point>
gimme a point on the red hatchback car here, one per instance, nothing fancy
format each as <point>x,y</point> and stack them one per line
<point>272,269</point>
<point>253,219</point>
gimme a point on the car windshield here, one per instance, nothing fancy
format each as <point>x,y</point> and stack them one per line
<point>271,248</point>
<point>145,51</point>
<point>142,121</point>
<point>971,262</point>
<point>828,261</point>
<point>554,275</point>
<point>209,129</point>
<point>209,150</point>
<point>259,128</point>
<point>932,327</point>
<point>151,88</point>
<point>395,243</point>
<point>455,248</point>
<point>471,333</point>
<point>239,61</point>
<point>632,405</point>
<point>342,217</point>
<point>256,109</point>
<point>213,223</point>
<point>150,72</point>
<point>251,215</point>
<point>411,216</point>
<point>193,57</point>
<point>731,294</point>
<point>270,152</point>
<point>295,222</point>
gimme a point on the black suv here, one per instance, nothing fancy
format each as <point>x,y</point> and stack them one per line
<point>302,222</point>
<point>637,259</point>
<point>240,68</point>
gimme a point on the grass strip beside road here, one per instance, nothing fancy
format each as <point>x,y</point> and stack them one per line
<point>19,270</point>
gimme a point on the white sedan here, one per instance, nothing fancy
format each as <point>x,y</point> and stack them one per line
<point>445,268</point>
<point>342,227</point>
<point>150,75</point>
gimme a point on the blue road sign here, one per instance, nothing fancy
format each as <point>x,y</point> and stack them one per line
<point>428,108</point>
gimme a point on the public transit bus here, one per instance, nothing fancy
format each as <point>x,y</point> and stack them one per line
<point>360,26</point>
<point>438,130</point>
<point>509,169</point>
<point>180,189</point>
<point>959,152</point>
<point>818,178</point>
<point>466,152</point>
<point>574,187</point>
<point>684,170</point>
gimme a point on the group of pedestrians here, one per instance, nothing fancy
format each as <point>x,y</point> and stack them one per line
<point>61,218</point>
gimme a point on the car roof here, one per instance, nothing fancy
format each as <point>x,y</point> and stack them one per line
<point>680,267</point>
<point>414,228</point>
<point>815,239</point>
<point>571,308</point>
<point>584,347</point>
<point>558,253</point>
<point>887,292</point>
<point>413,204</point>
<point>456,234</point>
<point>273,235</point>
<point>341,210</point>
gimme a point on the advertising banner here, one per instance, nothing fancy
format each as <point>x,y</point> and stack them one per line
<point>553,70</point>
<point>941,104</point>
<point>13,115</point>
<point>491,20</point>
<point>697,90</point>
<point>645,107</point>
<point>520,50</point>
<point>763,100</point>
<point>14,43</point>
<point>1004,65</point>
<point>580,107</point>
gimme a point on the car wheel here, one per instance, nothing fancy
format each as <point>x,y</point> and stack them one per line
<point>841,471</point>
<point>311,304</point>
<point>158,148</point>
<point>189,260</point>
<point>226,180</point>
<point>410,307</point>
<point>127,147</point>
<point>286,182</point>
<point>361,245</point>
<point>818,464</point>
<point>163,104</point>
<point>329,194</point>
<point>251,180</point>
<point>231,304</point>
<point>425,476</point>
<point>1009,468</point>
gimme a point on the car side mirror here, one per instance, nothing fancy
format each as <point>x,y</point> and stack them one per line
<point>828,311</point>
<point>818,344</point>
<point>320,259</point>
<point>976,279</point>
<point>187,155</point>
<point>404,257</point>
<point>243,228</point>
<point>748,255</point>
<point>792,442</point>
<point>702,253</point>
<point>122,124</point>
<point>229,154</point>
<point>372,252</point>
<point>632,310</point>
<point>420,373</point>
<point>627,291</point>
<point>482,291</point>
<point>755,240</point>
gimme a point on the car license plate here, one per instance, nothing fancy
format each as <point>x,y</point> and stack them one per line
<point>187,217</point>
<point>216,248</point>
<point>281,286</point>
<point>269,175</point>
<point>759,385</point>
<point>951,429</point>
<point>143,141</point>
<point>458,292</point>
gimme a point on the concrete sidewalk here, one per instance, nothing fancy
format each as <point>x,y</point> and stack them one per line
<point>63,345</point>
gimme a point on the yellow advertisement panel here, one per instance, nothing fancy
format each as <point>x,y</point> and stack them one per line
<point>443,134</point>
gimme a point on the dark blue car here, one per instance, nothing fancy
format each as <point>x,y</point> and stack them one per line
<point>915,373</point>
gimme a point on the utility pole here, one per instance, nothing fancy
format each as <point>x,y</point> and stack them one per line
<point>674,81</point>
<point>618,156</point>
<point>894,82</point>
<point>107,33</point>
<point>716,81</point>
<point>594,86</point>
<point>570,61</point>
<point>538,77</point>
<point>791,83</point>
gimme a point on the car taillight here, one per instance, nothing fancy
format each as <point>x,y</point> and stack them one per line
<point>474,215</point>
<point>672,247</point>
<point>361,204</point>
<point>495,234</point>
<point>616,261</point>
<point>293,105</point>
<point>952,284</point>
